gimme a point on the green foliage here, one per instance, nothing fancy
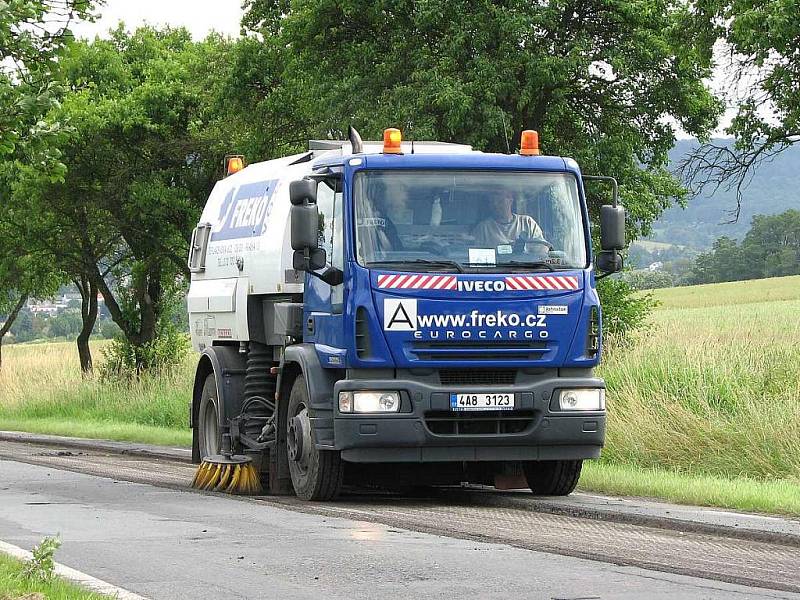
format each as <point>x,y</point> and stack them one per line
<point>23,275</point>
<point>32,35</point>
<point>108,329</point>
<point>142,156</point>
<point>763,35</point>
<point>770,249</point>
<point>644,279</point>
<point>67,324</point>
<point>624,310</point>
<point>599,80</point>
<point>16,587</point>
<point>41,567</point>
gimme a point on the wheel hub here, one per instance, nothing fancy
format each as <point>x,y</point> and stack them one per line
<point>210,429</point>
<point>298,438</point>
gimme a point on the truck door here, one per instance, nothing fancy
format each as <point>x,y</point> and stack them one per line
<point>323,302</point>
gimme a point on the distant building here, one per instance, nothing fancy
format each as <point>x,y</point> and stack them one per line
<point>656,266</point>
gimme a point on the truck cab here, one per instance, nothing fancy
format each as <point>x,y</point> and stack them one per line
<point>444,325</point>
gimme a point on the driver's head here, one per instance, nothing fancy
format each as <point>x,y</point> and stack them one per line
<point>501,205</point>
<point>389,197</point>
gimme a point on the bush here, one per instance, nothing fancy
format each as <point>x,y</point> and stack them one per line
<point>624,309</point>
<point>643,279</point>
<point>123,360</point>
<point>41,566</point>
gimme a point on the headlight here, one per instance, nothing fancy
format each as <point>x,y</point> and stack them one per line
<point>582,399</point>
<point>369,402</point>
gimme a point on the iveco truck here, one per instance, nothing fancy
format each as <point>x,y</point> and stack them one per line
<point>401,314</point>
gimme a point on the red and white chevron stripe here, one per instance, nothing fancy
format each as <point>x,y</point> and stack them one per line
<point>538,282</point>
<point>417,282</point>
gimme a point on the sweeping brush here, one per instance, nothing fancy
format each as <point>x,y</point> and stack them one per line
<point>227,472</point>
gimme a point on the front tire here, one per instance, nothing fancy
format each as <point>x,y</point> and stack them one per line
<point>553,477</point>
<point>209,432</point>
<point>316,474</point>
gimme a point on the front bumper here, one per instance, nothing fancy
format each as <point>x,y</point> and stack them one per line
<point>427,431</point>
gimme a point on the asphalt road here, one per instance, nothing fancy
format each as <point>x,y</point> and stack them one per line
<point>162,542</point>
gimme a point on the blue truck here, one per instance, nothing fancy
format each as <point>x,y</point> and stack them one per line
<point>401,314</point>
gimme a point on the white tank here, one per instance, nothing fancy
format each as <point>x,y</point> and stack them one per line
<point>241,247</point>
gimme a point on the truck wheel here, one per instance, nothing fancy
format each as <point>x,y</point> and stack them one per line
<point>209,434</point>
<point>316,474</point>
<point>553,477</point>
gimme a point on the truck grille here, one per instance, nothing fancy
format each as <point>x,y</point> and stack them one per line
<point>484,423</point>
<point>477,376</point>
<point>478,351</point>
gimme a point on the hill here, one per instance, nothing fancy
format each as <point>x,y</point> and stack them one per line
<point>772,190</point>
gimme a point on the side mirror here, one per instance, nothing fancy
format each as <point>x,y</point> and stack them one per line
<point>612,227</point>
<point>304,222</point>
<point>303,191</point>
<point>609,261</point>
<point>309,260</point>
<point>304,226</point>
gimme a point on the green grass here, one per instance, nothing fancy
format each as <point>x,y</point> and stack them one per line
<point>42,391</point>
<point>726,294</point>
<point>13,586</point>
<point>713,389</point>
<point>742,494</point>
<point>102,430</point>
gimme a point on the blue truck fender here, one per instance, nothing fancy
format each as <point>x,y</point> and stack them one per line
<point>320,384</point>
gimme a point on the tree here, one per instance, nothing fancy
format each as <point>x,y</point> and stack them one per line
<point>761,39</point>
<point>141,163</point>
<point>32,34</point>
<point>66,324</point>
<point>770,249</point>
<point>600,81</point>
<point>773,244</point>
<point>723,263</point>
<point>23,275</point>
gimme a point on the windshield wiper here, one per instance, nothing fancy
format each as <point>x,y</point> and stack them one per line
<point>534,264</point>
<point>417,261</point>
<point>514,263</point>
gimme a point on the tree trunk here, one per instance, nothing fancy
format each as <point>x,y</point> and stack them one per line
<point>88,291</point>
<point>10,321</point>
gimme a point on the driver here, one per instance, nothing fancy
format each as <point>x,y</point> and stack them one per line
<point>504,226</point>
<point>386,202</point>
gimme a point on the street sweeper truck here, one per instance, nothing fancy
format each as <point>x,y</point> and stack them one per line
<point>399,314</point>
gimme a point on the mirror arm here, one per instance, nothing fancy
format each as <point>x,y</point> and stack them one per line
<point>607,179</point>
<point>330,275</point>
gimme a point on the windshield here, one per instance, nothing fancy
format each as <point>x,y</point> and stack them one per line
<point>468,220</point>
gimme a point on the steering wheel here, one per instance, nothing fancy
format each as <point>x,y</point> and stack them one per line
<point>433,247</point>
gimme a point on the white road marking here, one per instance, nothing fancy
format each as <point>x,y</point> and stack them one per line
<point>87,581</point>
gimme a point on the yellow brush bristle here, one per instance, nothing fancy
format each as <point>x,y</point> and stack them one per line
<point>240,478</point>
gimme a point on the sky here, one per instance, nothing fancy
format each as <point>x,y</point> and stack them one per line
<point>199,16</point>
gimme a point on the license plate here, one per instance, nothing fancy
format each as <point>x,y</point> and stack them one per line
<point>482,401</point>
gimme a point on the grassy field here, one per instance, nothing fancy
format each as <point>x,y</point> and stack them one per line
<point>42,391</point>
<point>712,387</point>
<point>15,587</point>
<point>704,407</point>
